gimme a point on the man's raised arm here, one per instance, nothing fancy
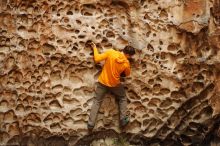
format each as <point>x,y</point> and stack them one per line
<point>98,57</point>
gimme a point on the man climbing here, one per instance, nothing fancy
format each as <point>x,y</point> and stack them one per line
<point>116,65</point>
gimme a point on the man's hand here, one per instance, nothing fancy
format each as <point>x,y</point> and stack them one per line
<point>93,45</point>
<point>90,44</point>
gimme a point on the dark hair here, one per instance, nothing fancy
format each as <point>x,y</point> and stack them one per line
<point>129,50</point>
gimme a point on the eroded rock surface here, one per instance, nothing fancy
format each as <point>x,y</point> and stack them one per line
<point>47,75</point>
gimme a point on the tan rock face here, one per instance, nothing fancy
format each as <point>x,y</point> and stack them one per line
<point>47,75</point>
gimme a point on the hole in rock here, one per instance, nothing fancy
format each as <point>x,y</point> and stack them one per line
<point>78,22</point>
<point>144,66</point>
<point>69,13</point>
<point>172,47</point>
<point>108,45</point>
<point>145,100</point>
<point>150,47</point>
<point>55,141</point>
<point>89,6</point>
<point>166,103</point>
<point>98,36</point>
<point>75,112</point>
<point>163,14</point>
<point>55,126</point>
<point>66,20</point>
<point>205,113</point>
<point>55,104</point>
<point>135,124</point>
<point>146,122</point>
<point>200,77</point>
<point>58,88</point>
<point>33,117</point>
<point>198,126</point>
<point>156,88</point>
<point>120,3</point>
<point>104,40</point>
<point>82,43</point>
<point>71,101</point>
<point>154,102</point>
<point>146,16</point>
<point>47,48</point>
<point>74,48</point>
<point>87,14</point>
<point>21,28</point>
<point>85,105</point>
<point>161,113</point>
<point>165,91</point>
<point>197,86</point>
<point>177,95</point>
<point>152,125</point>
<point>146,91</point>
<point>28,108</point>
<point>4,103</point>
<point>185,139</point>
<point>110,34</point>
<point>164,130</point>
<point>13,140</point>
<point>60,41</point>
<point>9,116</point>
<point>81,36</point>
<point>133,95</point>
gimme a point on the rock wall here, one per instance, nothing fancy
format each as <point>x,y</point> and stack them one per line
<point>47,75</point>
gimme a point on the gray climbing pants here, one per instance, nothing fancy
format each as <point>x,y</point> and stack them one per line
<point>100,92</point>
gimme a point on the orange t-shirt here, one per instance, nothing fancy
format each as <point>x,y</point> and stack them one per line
<point>115,63</point>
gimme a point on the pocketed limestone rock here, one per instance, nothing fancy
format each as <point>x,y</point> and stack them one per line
<point>48,75</point>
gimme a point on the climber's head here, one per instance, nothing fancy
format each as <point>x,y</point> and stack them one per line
<point>129,51</point>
